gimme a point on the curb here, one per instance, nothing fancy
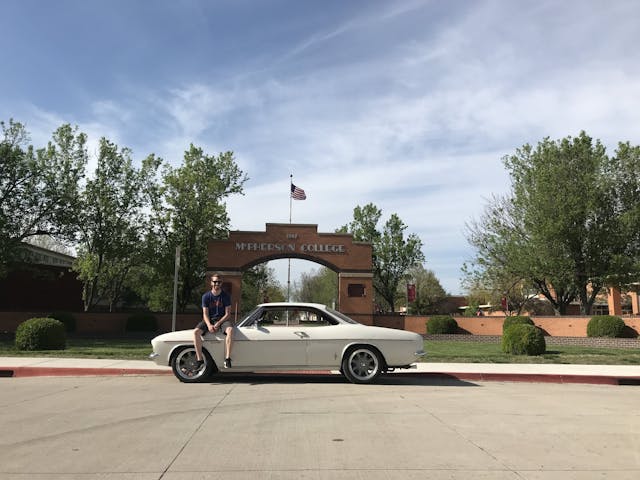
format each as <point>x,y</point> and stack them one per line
<point>535,378</point>
<point>73,371</point>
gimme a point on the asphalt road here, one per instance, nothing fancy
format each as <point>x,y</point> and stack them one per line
<point>315,427</point>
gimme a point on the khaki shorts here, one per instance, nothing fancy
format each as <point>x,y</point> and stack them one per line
<point>202,326</point>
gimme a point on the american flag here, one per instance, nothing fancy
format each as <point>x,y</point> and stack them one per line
<point>297,193</point>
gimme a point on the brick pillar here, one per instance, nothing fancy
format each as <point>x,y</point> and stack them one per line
<point>359,305</point>
<point>614,301</point>
<point>635,304</point>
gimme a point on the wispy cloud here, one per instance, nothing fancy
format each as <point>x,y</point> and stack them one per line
<point>407,105</point>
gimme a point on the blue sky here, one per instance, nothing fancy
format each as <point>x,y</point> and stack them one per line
<point>409,105</point>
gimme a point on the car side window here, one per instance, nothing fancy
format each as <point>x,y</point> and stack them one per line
<point>293,317</point>
<point>314,319</point>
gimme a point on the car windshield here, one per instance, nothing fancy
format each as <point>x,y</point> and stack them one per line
<point>249,318</point>
<point>341,316</point>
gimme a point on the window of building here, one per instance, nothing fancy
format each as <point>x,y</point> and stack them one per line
<point>356,290</point>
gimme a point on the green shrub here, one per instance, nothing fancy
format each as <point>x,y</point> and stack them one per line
<point>441,324</point>
<point>41,334</point>
<point>516,320</point>
<point>471,310</point>
<point>523,339</point>
<point>65,317</point>
<point>141,322</point>
<point>605,326</point>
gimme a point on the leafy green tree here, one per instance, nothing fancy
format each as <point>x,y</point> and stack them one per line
<point>259,285</point>
<point>393,254</point>
<point>192,212</point>
<point>429,291</point>
<point>492,285</point>
<point>38,188</point>
<point>319,286</point>
<point>558,229</point>
<point>622,174</point>
<point>111,226</point>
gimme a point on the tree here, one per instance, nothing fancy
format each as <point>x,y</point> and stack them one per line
<point>557,229</point>
<point>259,285</point>
<point>38,188</point>
<point>518,294</point>
<point>429,291</point>
<point>111,227</point>
<point>393,255</point>
<point>622,174</point>
<point>319,286</point>
<point>192,212</point>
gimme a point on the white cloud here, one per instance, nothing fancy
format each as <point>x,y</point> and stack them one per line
<point>409,106</point>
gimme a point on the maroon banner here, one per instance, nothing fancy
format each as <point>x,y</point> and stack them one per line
<point>411,292</point>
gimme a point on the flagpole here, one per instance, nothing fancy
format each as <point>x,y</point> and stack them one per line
<point>289,266</point>
<point>290,196</point>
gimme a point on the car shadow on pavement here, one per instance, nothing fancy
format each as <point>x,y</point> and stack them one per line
<point>427,380</point>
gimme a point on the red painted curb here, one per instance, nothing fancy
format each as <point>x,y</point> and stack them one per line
<point>538,378</point>
<point>73,371</point>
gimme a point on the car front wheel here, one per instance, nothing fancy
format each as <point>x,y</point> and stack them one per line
<point>362,365</point>
<point>185,366</point>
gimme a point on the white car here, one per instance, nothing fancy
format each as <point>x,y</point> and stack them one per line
<point>293,336</point>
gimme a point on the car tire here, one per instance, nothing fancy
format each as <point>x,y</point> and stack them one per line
<point>184,366</point>
<point>362,364</point>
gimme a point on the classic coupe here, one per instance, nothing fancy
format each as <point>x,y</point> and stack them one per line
<point>293,336</point>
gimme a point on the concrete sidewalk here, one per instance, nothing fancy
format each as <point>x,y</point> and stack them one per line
<point>552,373</point>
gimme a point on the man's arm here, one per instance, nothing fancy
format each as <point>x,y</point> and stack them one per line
<point>226,316</point>
<point>205,317</point>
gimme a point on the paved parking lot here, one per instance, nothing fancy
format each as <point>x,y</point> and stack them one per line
<point>315,427</point>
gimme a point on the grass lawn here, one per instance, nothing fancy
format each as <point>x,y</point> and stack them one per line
<point>437,351</point>
<point>472,352</point>
<point>118,348</point>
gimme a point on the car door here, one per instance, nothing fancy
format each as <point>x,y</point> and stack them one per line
<point>276,341</point>
<point>324,340</point>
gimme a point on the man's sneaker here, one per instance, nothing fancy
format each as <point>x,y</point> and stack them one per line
<point>227,363</point>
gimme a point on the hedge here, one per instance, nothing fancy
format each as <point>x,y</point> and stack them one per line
<point>439,324</point>
<point>516,320</point>
<point>606,326</point>
<point>141,322</point>
<point>41,334</point>
<point>523,339</point>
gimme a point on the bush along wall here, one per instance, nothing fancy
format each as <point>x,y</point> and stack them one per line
<point>439,324</point>
<point>516,320</point>
<point>606,326</point>
<point>142,322</point>
<point>523,339</point>
<point>67,318</point>
<point>41,334</point>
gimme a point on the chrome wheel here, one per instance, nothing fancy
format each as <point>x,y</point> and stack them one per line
<point>185,365</point>
<point>362,365</point>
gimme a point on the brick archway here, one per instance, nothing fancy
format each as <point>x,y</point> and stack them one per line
<point>351,260</point>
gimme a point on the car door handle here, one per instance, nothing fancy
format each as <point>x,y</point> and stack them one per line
<point>301,334</point>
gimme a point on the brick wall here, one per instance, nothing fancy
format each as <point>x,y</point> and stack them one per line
<point>579,341</point>
<point>482,327</point>
<point>565,326</point>
<point>101,323</point>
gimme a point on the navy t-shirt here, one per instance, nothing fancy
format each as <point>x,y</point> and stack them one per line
<point>216,303</point>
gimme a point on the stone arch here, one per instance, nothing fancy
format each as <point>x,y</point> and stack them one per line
<point>351,260</point>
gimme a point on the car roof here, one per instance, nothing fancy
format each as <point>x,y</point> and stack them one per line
<point>320,306</point>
